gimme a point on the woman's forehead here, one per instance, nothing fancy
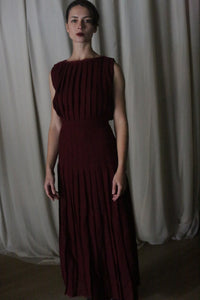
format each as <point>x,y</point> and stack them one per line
<point>79,10</point>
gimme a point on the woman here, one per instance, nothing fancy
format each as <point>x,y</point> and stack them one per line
<point>98,251</point>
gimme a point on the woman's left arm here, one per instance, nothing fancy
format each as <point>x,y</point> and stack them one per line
<point>121,132</point>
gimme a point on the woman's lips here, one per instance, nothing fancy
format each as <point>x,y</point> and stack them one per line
<point>80,34</point>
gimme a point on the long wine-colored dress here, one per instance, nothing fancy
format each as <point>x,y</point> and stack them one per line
<point>98,251</point>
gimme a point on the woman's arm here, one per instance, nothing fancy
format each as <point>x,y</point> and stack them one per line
<point>52,150</point>
<point>121,132</point>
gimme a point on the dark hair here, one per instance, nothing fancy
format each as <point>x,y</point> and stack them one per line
<point>85,3</point>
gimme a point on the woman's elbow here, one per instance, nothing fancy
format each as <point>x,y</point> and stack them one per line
<point>120,119</point>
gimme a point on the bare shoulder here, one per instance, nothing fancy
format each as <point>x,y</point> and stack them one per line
<point>51,87</point>
<point>50,80</point>
<point>118,74</point>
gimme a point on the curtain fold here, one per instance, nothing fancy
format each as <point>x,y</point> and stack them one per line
<point>157,45</point>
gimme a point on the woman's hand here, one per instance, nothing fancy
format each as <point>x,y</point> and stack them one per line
<point>49,185</point>
<point>119,184</point>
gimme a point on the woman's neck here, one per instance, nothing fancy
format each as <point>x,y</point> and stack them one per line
<point>82,52</point>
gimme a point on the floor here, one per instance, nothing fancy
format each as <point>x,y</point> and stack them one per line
<point>168,272</point>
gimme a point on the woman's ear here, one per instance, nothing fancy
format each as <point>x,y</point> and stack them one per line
<point>95,29</point>
<point>67,27</point>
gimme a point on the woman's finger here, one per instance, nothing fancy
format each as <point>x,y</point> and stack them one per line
<point>57,195</point>
<point>119,192</point>
<point>114,185</point>
<point>46,190</point>
<point>53,188</point>
<point>50,193</point>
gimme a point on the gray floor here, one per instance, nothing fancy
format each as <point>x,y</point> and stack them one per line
<point>168,272</point>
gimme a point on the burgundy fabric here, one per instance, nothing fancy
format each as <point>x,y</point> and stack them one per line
<point>98,251</point>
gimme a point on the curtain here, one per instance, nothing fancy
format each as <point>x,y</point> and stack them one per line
<point>157,45</point>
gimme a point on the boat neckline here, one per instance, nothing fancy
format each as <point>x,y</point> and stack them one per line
<point>85,59</point>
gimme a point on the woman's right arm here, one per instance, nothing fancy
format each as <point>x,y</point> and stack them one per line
<point>52,149</point>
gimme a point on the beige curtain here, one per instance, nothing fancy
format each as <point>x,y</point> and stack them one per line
<point>157,45</point>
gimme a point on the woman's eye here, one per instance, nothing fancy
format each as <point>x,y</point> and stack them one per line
<point>89,20</point>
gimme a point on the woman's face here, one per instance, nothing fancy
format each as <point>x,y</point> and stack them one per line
<point>80,21</point>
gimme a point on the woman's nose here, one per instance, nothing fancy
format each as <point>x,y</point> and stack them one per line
<point>80,24</point>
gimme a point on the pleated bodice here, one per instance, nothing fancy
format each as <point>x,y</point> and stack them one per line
<point>84,88</point>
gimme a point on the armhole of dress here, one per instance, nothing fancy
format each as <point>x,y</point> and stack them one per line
<point>113,85</point>
<point>53,77</point>
<point>113,62</point>
<point>55,85</point>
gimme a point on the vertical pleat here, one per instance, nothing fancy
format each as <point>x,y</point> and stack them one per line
<point>104,201</point>
<point>72,261</point>
<point>62,219</point>
<point>111,253</point>
<point>70,91</point>
<point>63,86</point>
<point>89,86</point>
<point>81,92</point>
<point>75,103</point>
<point>84,231</point>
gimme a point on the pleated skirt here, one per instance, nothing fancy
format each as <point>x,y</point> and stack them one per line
<point>97,243</point>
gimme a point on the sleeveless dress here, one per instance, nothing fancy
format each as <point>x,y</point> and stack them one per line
<point>97,243</point>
